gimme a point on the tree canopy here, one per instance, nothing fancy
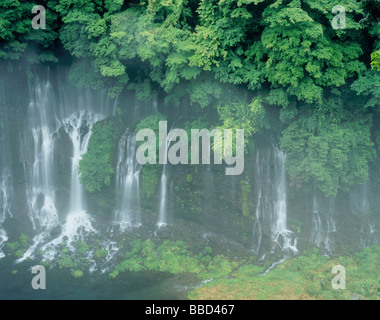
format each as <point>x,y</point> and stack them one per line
<point>285,53</point>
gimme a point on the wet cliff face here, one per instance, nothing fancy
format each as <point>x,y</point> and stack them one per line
<point>45,129</point>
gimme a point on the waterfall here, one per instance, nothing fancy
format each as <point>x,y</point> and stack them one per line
<point>78,221</point>
<point>5,205</point>
<point>271,208</point>
<point>38,150</point>
<point>77,217</point>
<point>5,172</point>
<point>279,228</point>
<point>56,115</point>
<point>257,231</point>
<point>361,208</point>
<point>162,217</point>
<point>323,224</point>
<point>359,199</point>
<point>368,234</point>
<point>127,183</point>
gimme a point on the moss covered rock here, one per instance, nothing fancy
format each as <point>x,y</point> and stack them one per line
<point>77,273</point>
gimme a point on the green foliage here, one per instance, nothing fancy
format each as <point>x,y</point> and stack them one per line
<point>189,178</point>
<point>18,248</point>
<point>369,86</point>
<point>101,253</point>
<point>96,167</point>
<point>208,250</point>
<point>149,173</point>
<point>81,247</point>
<point>149,181</point>
<point>172,257</point>
<point>301,53</point>
<point>77,273</point>
<point>330,148</point>
<point>151,122</point>
<point>289,44</point>
<point>19,41</point>
<point>218,267</point>
<point>201,122</point>
<point>24,240</point>
<point>183,47</point>
<point>375,57</point>
<point>250,117</point>
<point>304,277</point>
<point>200,54</point>
<point>243,115</point>
<point>12,246</point>
<point>66,262</point>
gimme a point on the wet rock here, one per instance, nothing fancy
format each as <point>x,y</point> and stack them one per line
<point>56,231</point>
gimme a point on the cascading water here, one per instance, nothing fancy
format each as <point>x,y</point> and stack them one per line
<point>127,183</point>
<point>38,150</point>
<point>5,172</point>
<point>359,199</point>
<point>368,235</point>
<point>162,217</point>
<point>5,205</point>
<point>77,217</point>
<point>271,208</point>
<point>279,228</point>
<point>323,225</point>
<point>360,207</point>
<point>78,221</point>
<point>66,114</point>
<point>261,202</point>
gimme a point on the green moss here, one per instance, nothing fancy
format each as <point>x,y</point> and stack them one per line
<point>24,240</point>
<point>189,178</point>
<point>114,274</point>
<point>207,250</point>
<point>14,272</point>
<point>304,277</point>
<point>295,225</point>
<point>81,247</point>
<point>66,262</point>
<point>171,257</point>
<point>12,246</point>
<point>101,253</point>
<point>130,265</point>
<point>96,167</point>
<point>248,271</point>
<point>217,268</point>
<point>19,253</point>
<point>152,122</point>
<point>77,273</point>
<point>149,181</point>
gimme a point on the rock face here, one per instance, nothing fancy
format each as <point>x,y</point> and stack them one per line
<point>45,131</point>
